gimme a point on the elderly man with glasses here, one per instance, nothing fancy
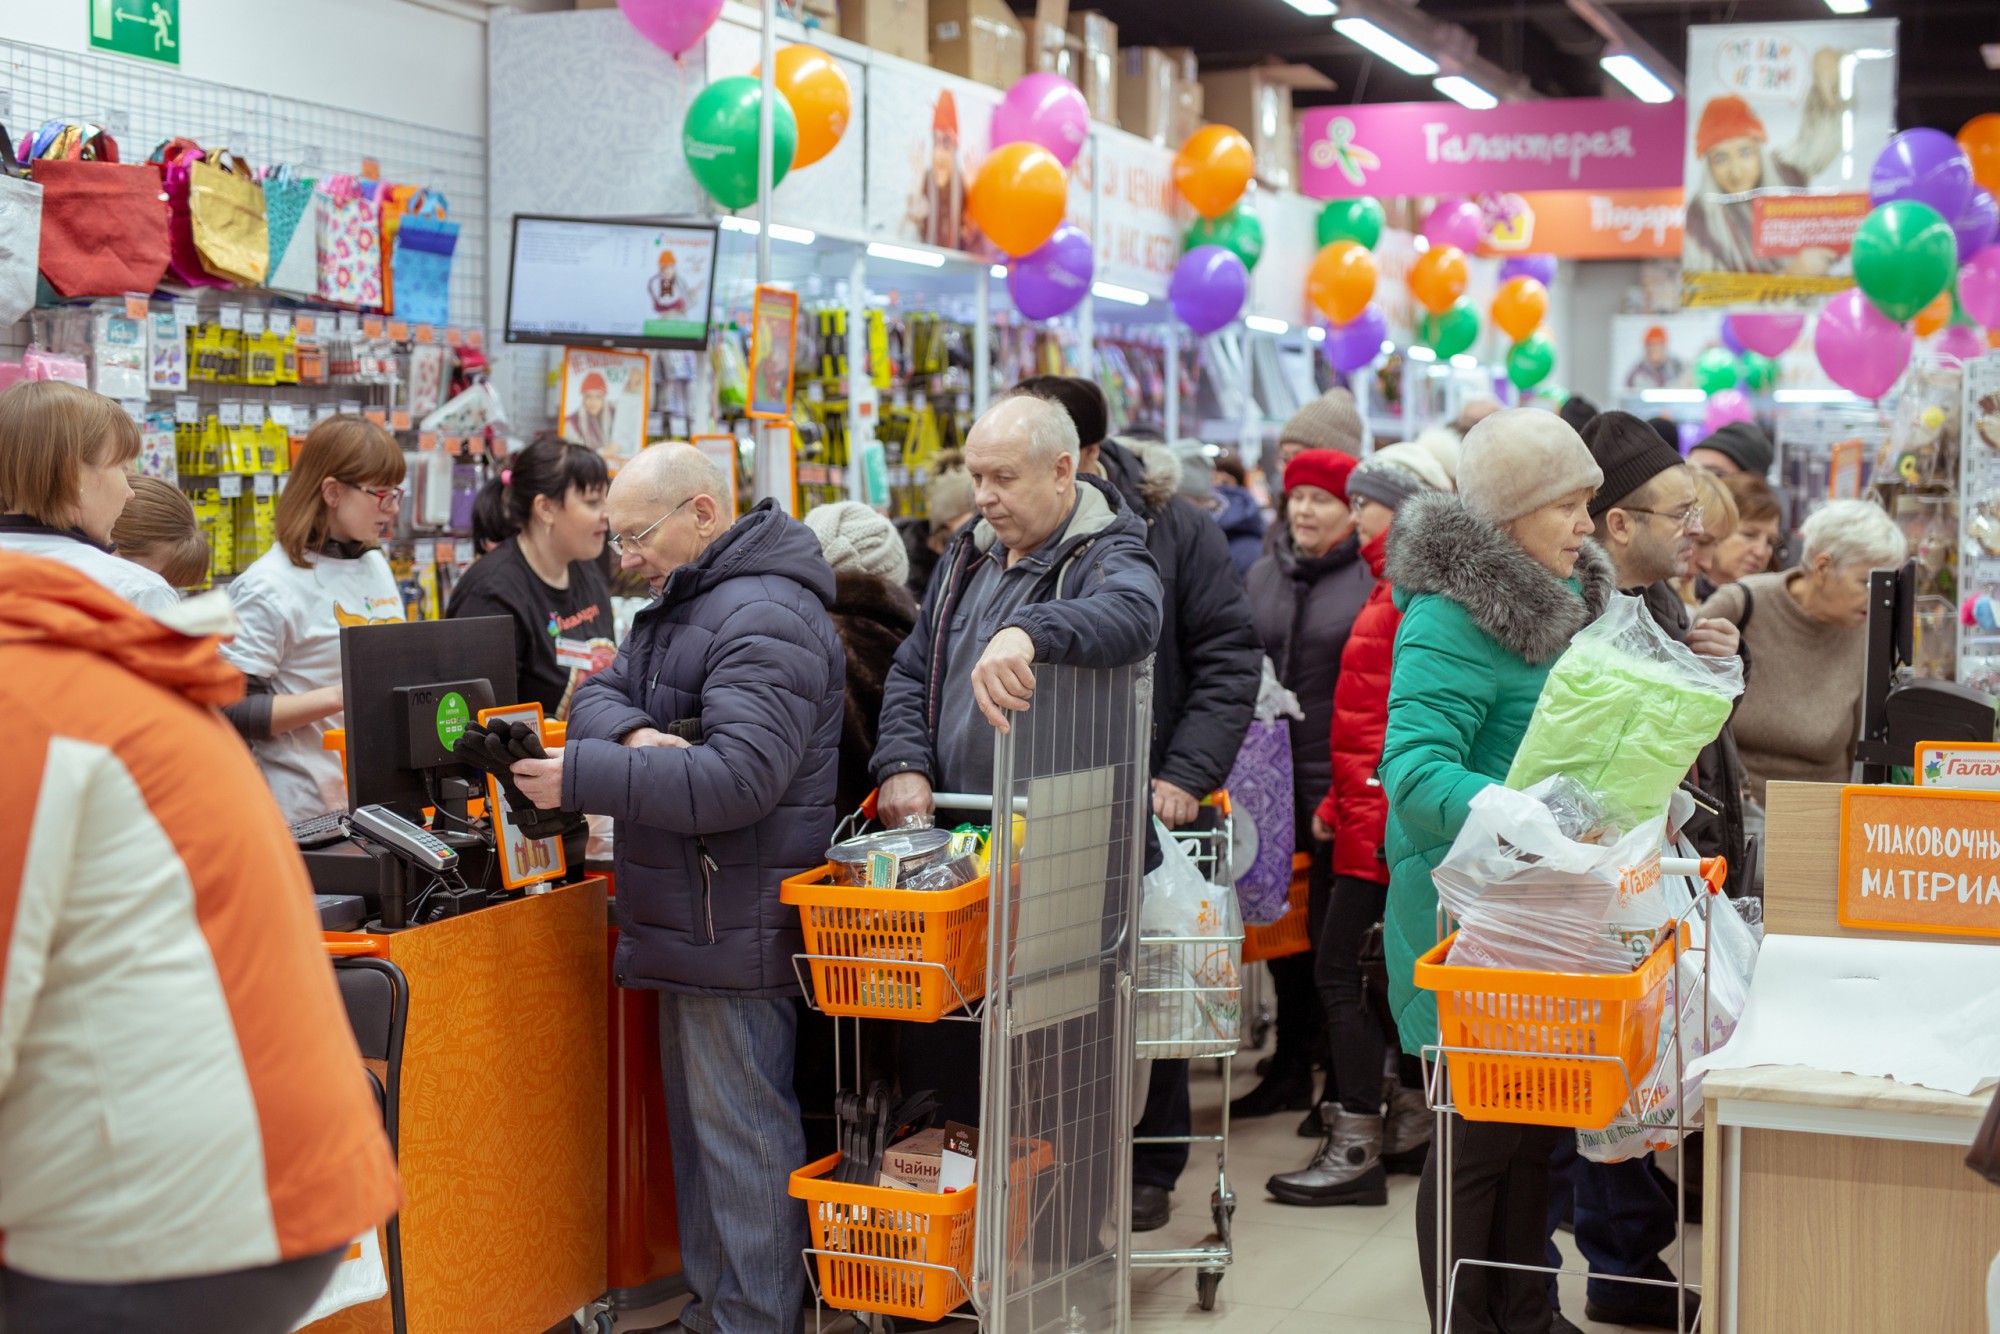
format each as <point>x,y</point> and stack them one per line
<point>713,740</point>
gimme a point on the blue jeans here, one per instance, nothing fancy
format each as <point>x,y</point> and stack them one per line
<point>734,1120</point>
<point>1623,1219</point>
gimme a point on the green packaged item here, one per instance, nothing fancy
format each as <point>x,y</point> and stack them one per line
<point>1625,711</point>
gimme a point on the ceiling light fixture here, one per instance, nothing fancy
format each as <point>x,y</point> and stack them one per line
<point>1318,9</point>
<point>1641,82</point>
<point>1848,6</point>
<point>1672,396</point>
<point>1465,361</point>
<point>1113,292</point>
<point>779,231</point>
<point>1386,45</point>
<point>1317,334</point>
<point>999,271</point>
<point>1265,324</point>
<point>930,259</point>
<point>1814,396</point>
<point>1465,92</point>
<point>1418,352</point>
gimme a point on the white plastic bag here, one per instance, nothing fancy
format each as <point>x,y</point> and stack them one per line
<point>357,1279</point>
<point>1190,959</point>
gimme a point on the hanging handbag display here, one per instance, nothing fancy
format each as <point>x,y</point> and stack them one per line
<point>172,160</point>
<point>421,263</point>
<point>104,222</point>
<point>348,226</point>
<point>20,234</point>
<point>294,252</point>
<point>227,208</point>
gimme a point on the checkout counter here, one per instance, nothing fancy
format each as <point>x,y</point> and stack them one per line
<point>1836,1202</point>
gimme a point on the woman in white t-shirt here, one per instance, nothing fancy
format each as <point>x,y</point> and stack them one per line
<point>325,572</point>
<point>64,479</point>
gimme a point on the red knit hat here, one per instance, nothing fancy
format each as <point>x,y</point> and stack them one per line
<point>1326,469</point>
<point>1726,118</point>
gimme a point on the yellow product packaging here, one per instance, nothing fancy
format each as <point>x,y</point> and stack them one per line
<point>205,353</point>
<point>288,359</point>
<point>260,358</point>
<point>230,367</point>
<point>274,447</point>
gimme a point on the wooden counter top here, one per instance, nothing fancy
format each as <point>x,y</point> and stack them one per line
<point>1802,1086</point>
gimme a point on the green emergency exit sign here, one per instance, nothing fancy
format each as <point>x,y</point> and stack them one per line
<point>147,29</point>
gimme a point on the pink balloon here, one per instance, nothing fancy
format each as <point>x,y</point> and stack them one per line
<point>1979,287</point>
<point>1726,406</point>
<point>1043,109</point>
<point>1961,343</point>
<point>1861,349</point>
<point>672,25</point>
<point>1768,335</point>
<point>1456,221</point>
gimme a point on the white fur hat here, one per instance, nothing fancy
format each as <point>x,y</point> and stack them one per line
<point>857,540</point>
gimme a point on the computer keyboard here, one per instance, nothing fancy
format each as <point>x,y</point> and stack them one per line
<point>320,830</point>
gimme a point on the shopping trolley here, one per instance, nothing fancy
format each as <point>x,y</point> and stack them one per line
<point>1196,976</point>
<point>1560,1049</point>
<point>1040,1243</point>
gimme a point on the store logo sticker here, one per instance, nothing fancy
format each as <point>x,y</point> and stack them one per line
<point>452,716</point>
<point>1971,765</point>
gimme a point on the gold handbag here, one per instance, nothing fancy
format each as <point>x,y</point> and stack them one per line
<point>227,207</point>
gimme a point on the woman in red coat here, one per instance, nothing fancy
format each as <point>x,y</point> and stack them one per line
<point>1356,1147</point>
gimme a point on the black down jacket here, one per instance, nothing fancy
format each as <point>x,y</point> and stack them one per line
<point>740,640</point>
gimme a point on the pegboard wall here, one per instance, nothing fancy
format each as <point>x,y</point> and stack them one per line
<point>142,106</point>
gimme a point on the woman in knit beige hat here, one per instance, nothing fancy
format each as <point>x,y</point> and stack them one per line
<point>1330,421</point>
<point>874,614</point>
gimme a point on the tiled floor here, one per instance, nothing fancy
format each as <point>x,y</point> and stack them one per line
<point>1296,1271</point>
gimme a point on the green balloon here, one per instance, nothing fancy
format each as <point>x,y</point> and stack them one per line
<point>1351,220</point>
<point>1452,332</point>
<point>1757,372</point>
<point>720,139</point>
<point>1530,361</point>
<point>1905,253</point>
<point>1237,231</point>
<point>1715,371</point>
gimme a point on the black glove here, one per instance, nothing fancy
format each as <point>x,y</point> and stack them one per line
<point>495,749</point>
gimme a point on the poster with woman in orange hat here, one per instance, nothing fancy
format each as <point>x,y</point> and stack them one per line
<point>1785,121</point>
<point>604,399</point>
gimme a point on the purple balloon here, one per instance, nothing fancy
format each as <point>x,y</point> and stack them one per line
<point>1049,280</point>
<point>1861,349</point>
<point>1043,109</point>
<point>1725,406</point>
<point>1542,268</point>
<point>1979,287</point>
<point>1208,288</point>
<point>672,25</point>
<point>1767,335</point>
<point>1456,221</point>
<point>1925,165</point>
<point>1730,338</point>
<point>1358,342</point>
<point>1976,225</point>
<point>1961,343</point>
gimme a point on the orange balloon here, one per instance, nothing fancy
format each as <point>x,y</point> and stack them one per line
<point>1439,276</point>
<point>1520,306</point>
<point>811,81</point>
<point>1213,168</point>
<point>1981,141</point>
<point>1019,197</point>
<point>1342,280</point>
<point>1934,316</point>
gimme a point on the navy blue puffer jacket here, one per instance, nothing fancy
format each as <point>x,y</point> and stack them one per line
<point>740,640</point>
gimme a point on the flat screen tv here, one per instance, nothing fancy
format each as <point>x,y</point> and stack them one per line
<point>590,282</point>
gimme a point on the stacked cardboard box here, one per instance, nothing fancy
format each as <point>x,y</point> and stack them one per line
<point>1159,93</point>
<point>1258,102</point>
<point>899,27</point>
<point>979,39</point>
<point>1188,114</point>
<point>825,14</point>
<point>1097,63</point>
<point>1049,39</point>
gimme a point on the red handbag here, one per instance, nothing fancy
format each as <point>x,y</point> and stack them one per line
<point>104,223</point>
<point>172,160</point>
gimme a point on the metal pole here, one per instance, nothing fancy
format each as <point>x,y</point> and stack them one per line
<point>982,340</point>
<point>860,430</point>
<point>766,109</point>
<point>1171,428</point>
<point>1086,321</point>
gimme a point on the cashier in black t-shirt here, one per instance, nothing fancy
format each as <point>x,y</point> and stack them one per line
<point>545,575</point>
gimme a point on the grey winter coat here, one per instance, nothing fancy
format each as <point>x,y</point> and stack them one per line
<point>739,640</point>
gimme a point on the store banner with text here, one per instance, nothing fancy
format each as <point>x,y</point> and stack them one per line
<point>1585,224</point>
<point>1785,121</point>
<point>1436,148</point>
<point>1922,859</point>
<point>1138,216</point>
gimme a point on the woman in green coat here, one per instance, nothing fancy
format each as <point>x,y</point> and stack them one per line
<point>1492,584</point>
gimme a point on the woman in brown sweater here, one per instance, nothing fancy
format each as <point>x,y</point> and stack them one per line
<point>1807,631</point>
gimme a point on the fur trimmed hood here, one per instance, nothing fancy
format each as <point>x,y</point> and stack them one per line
<point>1146,472</point>
<point>1438,546</point>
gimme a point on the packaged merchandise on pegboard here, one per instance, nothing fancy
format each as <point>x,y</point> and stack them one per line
<point>1915,477</point>
<point>1979,527</point>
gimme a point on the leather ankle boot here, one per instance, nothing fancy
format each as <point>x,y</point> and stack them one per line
<point>1346,1170</point>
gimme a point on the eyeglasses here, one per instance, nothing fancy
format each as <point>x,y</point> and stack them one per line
<point>388,501</point>
<point>1689,518</point>
<point>620,544</point>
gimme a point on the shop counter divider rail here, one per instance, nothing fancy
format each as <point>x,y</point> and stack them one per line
<point>1049,1247</point>
<point>1544,1052</point>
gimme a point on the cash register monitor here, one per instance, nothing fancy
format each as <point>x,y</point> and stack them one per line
<point>408,688</point>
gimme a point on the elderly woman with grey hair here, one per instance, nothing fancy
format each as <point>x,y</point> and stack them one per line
<point>1807,630</point>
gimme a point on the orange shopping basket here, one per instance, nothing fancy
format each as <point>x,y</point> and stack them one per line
<point>903,1252</point>
<point>909,954</point>
<point>1541,1039</point>
<point>1287,935</point>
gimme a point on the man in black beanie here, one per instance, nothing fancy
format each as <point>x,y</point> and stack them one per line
<point>1737,447</point>
<point>1577,411</point>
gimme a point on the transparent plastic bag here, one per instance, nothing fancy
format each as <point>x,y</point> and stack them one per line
<point>1625,712</point>
<point>1190,958</point>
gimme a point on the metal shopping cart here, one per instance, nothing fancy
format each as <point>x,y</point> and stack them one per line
<point>1040,1243</point>
<point>1190,1007</point>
